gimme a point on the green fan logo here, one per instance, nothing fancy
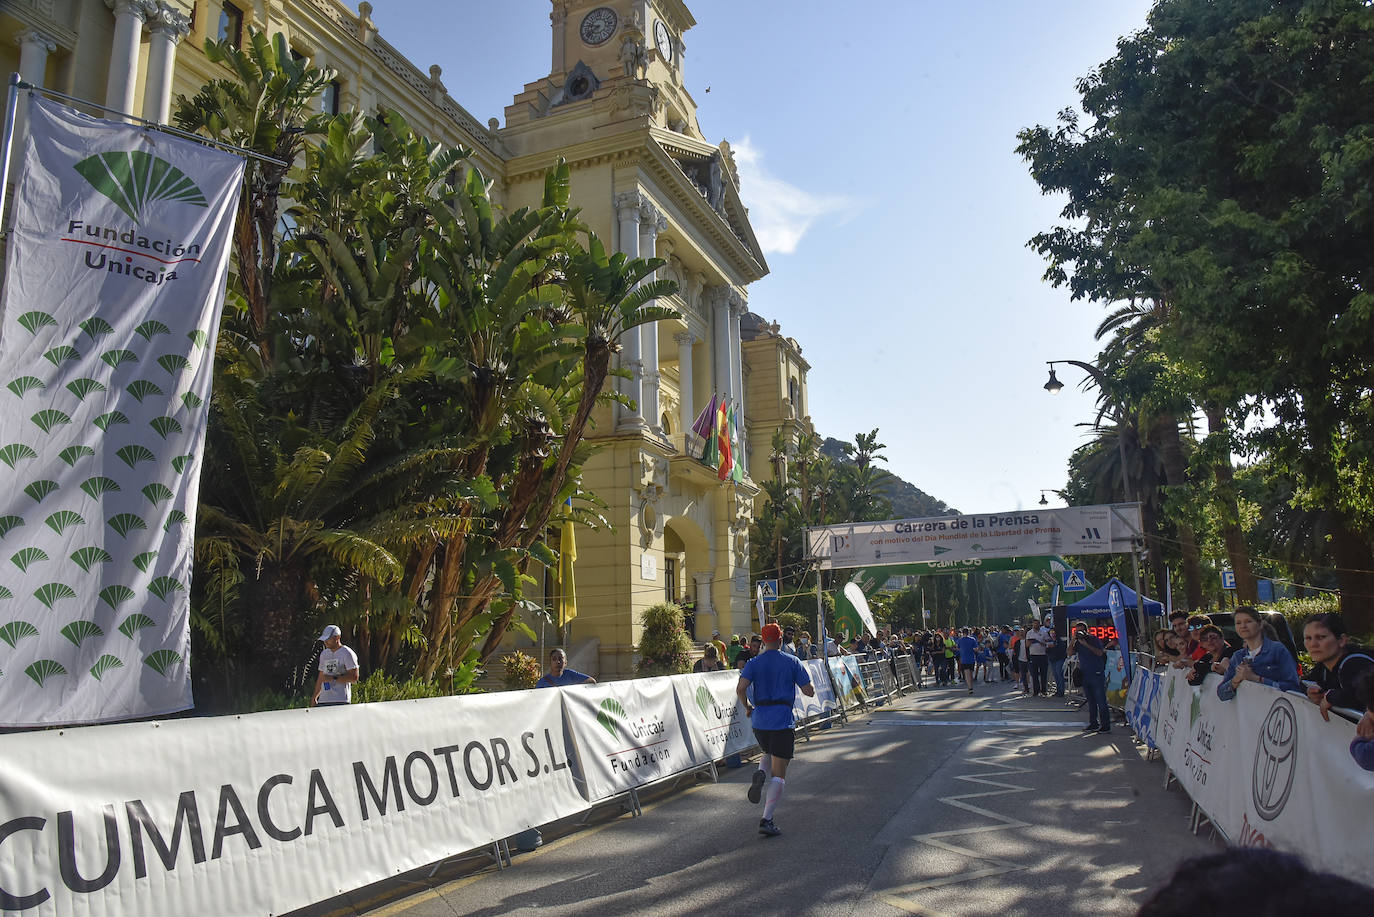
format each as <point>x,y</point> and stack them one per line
<point>136,179</point>
<point>609,716</point>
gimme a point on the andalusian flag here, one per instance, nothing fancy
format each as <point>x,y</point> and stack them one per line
<point>567,590</point>
<point>727,459</point>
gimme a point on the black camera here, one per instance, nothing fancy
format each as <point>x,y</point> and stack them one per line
<point>1201,669</point>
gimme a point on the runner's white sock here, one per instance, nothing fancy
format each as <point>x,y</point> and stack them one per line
<point>766,765</point>
<point>775,788</point>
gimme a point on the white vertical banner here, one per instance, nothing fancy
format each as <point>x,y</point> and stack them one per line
<point>113,288</point>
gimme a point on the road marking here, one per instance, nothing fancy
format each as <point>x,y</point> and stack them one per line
<point>896,897</point>
<point>999,724</point>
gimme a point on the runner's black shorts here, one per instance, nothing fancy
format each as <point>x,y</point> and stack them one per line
<point>967,666</point>
<point>780,743</point>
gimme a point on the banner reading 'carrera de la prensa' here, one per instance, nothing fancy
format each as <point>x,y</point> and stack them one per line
<point>1107,529</point>
<point>113,289</point>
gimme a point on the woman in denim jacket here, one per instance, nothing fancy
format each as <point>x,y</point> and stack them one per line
<point>1265,661</point>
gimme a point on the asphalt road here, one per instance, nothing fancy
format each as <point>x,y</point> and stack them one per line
<point>940,804</point>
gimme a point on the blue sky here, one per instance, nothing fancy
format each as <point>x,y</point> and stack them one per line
<point>876,150</point>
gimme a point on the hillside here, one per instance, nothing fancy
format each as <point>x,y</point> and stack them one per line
<point>908,501</point>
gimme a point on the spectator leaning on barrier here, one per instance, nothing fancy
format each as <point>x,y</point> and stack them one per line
<point>1362,746</point>
<point>1092,662</point>
<point>710,662</point>
<point>338,671</point>
<point>1259,659</point>
<point>776,678</point>
<point>720,647</point>
<point>1338,664</point>
<point>1215,658</point>
<point>559,674</point>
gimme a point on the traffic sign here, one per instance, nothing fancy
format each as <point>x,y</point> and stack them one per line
<point>1228,579</point>
<point>1265,590</point>
<point>768,590</point>
<point>1075,580</point>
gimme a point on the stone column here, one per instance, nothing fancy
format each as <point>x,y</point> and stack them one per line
<point>627,209</point>
<point>706,610</point>
<point>686,410</point>
<point>34,48</point>
<point>737,309</point>
<point>651,223</point>
<point>129,18</point>
<point>722,378</point>
<point>559,18</point>
<point>166,27</point>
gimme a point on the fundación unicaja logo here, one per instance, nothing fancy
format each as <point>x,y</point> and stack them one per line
<point>135,179</point>
<point>610,716</point>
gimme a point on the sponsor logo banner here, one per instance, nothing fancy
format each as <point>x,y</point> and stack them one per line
<point>627,733</point>
<point>824,702</point>
<point>269,812</point>
<point>849,683</point>
<point>714,716</point>
<point>1268,770</point>
<point>114,284</point>
<point>1073,530</point>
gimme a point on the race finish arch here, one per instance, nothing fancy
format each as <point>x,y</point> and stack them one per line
<point>986,541</point>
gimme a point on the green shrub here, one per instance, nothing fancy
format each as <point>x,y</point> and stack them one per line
<point>793,620</point>
<point>522,671</point>
<point>663,648</point>
<point>379,687</point>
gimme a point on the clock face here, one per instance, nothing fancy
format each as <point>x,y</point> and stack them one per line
<point>598,25</point>
<point>663,40</point>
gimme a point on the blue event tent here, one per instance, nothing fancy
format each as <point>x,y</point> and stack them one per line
<point>1095,605</point>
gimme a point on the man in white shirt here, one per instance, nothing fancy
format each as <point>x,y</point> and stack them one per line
<point>1038,642</point>
<point>338,671</point>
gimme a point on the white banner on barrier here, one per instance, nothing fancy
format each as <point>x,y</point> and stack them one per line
<point>715,718</point>
<point>269,812</point>
<point>1269,771</point>
<point>627,733</point>
<point>1197,736</point>
<point>824,701</point>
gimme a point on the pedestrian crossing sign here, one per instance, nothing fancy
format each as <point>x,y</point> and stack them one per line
<point>768,590</point>
<point>1075,580</point>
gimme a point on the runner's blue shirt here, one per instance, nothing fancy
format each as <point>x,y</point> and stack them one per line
<point>968,650</point>
<point>774,675</point>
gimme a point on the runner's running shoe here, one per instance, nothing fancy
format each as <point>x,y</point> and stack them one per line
<point>756,788</point>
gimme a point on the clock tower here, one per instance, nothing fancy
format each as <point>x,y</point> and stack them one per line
<point>604,45</point>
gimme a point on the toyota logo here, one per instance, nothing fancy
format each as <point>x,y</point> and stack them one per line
<point>1275,760</point>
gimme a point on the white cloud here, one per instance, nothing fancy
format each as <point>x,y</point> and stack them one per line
<point>779,211</point>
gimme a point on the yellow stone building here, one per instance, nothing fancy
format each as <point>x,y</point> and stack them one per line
<point>616,107</point>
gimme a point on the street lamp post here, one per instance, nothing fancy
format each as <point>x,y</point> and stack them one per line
<point>1054,386</point>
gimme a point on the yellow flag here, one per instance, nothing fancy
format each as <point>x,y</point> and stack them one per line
<point>567,591</point>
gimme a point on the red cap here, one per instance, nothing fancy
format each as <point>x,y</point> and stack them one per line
<point>772,633</point>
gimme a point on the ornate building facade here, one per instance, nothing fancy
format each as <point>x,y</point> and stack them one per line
<point>616,107</point>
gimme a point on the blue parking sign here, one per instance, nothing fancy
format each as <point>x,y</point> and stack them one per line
<point>1228,579</point>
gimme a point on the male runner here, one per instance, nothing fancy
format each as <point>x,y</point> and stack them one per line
<point>775,677</point>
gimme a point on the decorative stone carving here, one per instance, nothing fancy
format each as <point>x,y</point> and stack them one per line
<point>631,204</point>
<point>634,56</point>
<point>581,84</point>
<point>649,491</point>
